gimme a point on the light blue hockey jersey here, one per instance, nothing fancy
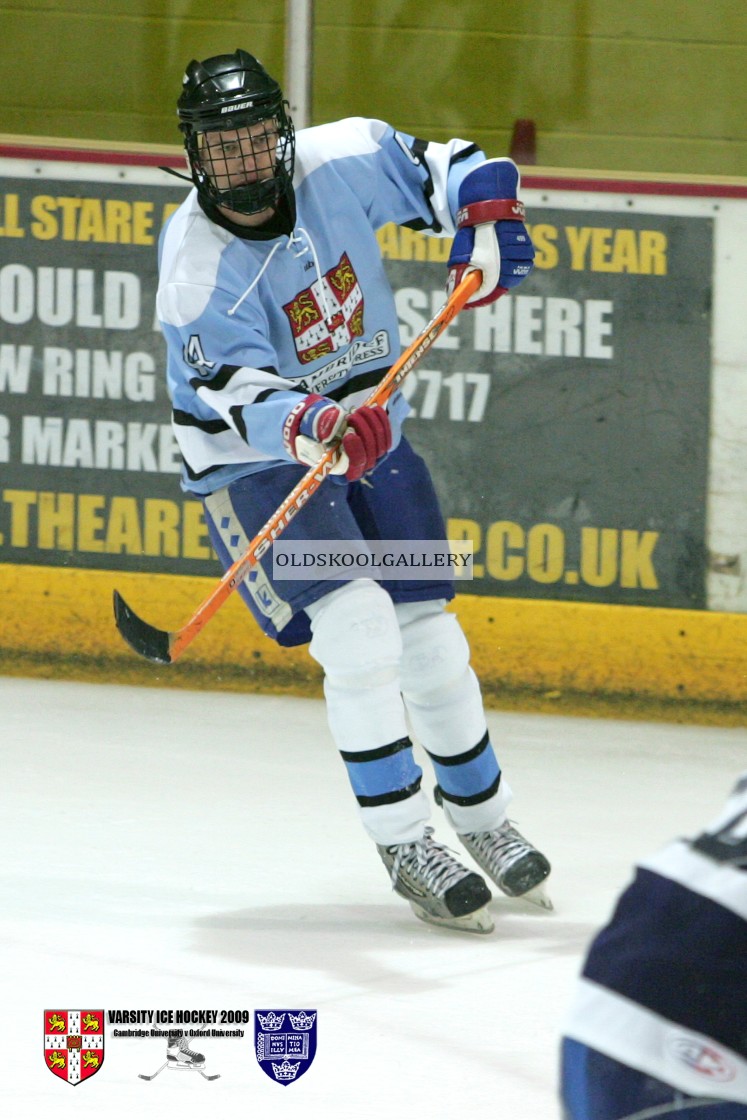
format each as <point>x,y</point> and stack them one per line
<point>250,324</point>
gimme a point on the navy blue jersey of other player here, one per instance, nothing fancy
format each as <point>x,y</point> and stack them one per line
<point>660,1014</point>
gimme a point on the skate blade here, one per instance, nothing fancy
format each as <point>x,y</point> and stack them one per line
<point>538,896</point>
<point>479,921</point>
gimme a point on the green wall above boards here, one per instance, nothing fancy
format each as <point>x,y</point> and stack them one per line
<point>630,85</point>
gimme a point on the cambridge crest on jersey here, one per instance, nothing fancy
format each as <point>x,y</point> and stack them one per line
<point>339,295</point>
<point>74,1044</point>
<point>285,1043</point>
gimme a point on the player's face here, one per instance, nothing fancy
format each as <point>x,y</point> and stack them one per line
<point>235,157</point>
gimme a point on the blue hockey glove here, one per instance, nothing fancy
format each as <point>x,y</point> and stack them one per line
<point>491,235</point>
<point>317,423</point>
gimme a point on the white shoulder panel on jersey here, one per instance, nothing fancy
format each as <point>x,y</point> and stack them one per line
<point>708,870</point>
<point>352,136</point>
<point>187,280</point>
<point>719,882</point>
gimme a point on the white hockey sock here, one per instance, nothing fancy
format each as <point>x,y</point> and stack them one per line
<point>357,642</point>
<point>444,703</point>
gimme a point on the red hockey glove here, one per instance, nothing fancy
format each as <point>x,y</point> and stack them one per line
<point>317,423</point>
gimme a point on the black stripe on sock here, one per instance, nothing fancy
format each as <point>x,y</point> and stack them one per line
<point>460,759</point>
<point>377,752</point>
<point>389,798</point>
<point>474,798</point>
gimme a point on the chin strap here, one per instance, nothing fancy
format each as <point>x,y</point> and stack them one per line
<point>177,174</point>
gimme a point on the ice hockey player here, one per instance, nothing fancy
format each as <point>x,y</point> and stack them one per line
<point>658,1026</point>
<point>279,321</point>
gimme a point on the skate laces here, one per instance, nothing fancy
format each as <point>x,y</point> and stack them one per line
<point>183,1046</point>
<point>504,845</point>
<point>429,862</point>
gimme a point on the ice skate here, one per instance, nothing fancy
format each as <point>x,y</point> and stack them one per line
<point>179,1054</point>
<point>180,1057</point>
<point>439,889</point>
<point>513,864</point>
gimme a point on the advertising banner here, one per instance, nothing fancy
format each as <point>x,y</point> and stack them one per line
<point>88,463</point>
<point>566,425</point>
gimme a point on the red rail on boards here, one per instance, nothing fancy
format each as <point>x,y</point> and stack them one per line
<point>545,179</point>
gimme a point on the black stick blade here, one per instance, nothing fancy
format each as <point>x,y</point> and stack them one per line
<point>140,636</point>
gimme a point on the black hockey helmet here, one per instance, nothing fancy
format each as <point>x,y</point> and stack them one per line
<point>246,161</point>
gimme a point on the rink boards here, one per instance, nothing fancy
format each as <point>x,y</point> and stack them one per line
<point>587,435</point>
<point>53,615</point>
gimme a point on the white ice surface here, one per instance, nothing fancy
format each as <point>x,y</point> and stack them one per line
<point>168,849</point>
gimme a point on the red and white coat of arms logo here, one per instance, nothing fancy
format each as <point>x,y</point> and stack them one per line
<point>328,315</point>
<point>74,1044</point>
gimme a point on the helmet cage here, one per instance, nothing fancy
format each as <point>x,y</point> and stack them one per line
<point>238,136</point>
<point>246,165</point>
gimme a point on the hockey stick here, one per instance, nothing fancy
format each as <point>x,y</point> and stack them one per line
<point>166,646</point>
<point>150,1076</point>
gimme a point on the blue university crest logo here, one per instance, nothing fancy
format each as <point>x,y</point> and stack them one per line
<point>285,1043</point>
